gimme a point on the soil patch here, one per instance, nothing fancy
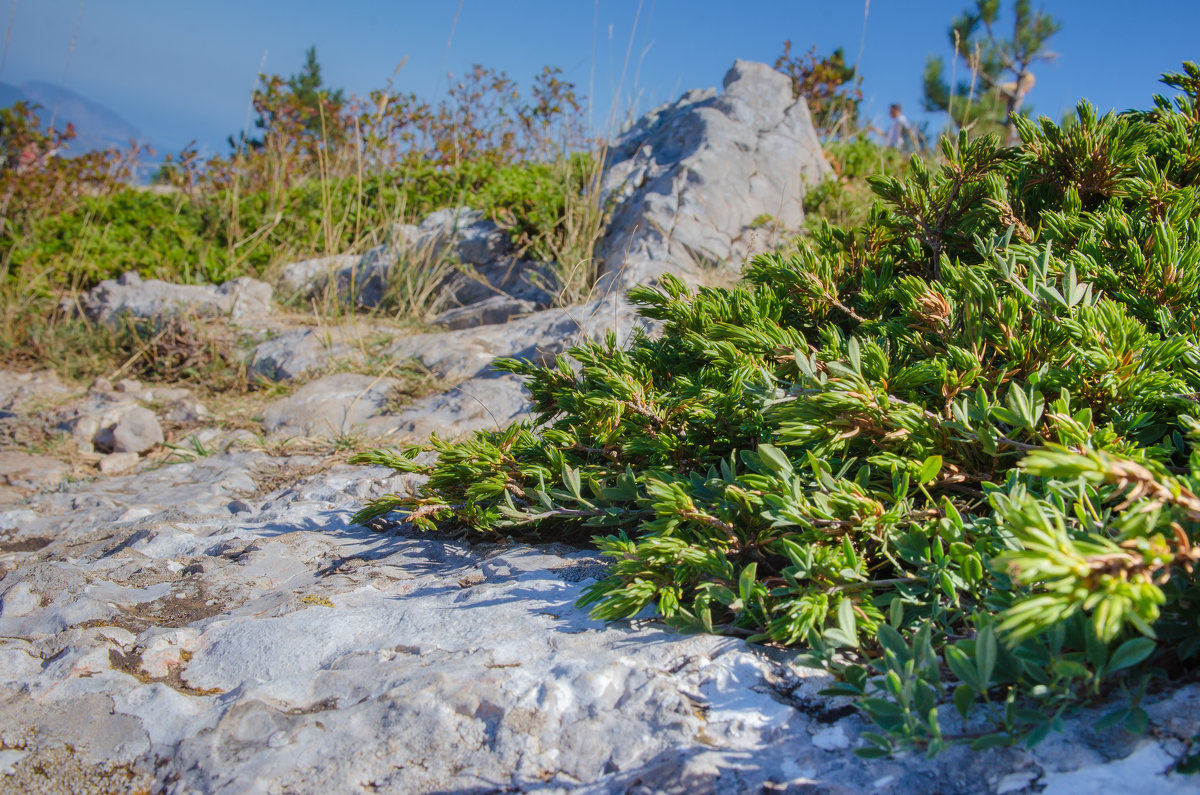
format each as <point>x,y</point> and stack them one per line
<point>24,544</point>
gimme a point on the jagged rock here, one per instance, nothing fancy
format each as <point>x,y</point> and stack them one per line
<point>302,279</point>
<point>294,354</point>
<point>523,280</point>
<point>692,180</point>
<point>461,234</point>
<point>334,405</point>
<point>365,283</point>
<point>494,400</point>
<point>458,355</point>
<point>489,311</point>
<point>474,239</point>
<point>130,295</point>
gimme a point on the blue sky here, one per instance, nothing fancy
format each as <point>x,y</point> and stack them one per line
<point>183,69</point>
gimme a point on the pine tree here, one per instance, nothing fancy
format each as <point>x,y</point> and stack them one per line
<point>309,92</point>
<point>299,111</point>
<point>998,71</point>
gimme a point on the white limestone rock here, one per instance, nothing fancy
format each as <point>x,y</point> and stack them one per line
<point>131,296</point>
<point>134,429</point>
<point>691,179</point>
<point>285,649</point>
<point>334,405</point>
<point>302,279</point>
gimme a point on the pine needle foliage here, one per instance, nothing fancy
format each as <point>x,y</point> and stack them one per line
<point>951,453</point>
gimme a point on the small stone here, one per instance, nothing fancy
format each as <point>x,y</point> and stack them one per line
<point>186,411</point>
<point>101,385</point>
<point>1016,782</point>
<point>127,385</point>
<point>832,739</point>
<point>137,431</point>
<point>117,463</point>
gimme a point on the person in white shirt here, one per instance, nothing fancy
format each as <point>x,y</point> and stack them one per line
<point>900,132</point>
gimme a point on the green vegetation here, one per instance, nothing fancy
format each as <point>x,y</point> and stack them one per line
<point>846,198</point>
<point>832,90</point>
<point>322,174</point>
<point>176,237</point>
<point>953,452</point>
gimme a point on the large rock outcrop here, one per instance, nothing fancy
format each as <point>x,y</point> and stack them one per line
<point>710,178</point>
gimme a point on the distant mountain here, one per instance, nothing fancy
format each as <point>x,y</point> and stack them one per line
<point>96,126</point>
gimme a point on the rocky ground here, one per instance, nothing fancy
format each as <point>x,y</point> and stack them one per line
<point>186,607</point>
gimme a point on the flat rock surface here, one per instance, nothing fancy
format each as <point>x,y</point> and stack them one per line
<point>333,405</point>
<point>197,629</point>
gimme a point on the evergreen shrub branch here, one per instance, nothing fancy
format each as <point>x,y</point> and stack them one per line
<point>951,453</point>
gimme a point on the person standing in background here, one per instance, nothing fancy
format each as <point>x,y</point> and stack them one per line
<point>900,132</point>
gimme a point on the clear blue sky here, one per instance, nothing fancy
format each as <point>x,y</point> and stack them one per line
<point>183,69</point>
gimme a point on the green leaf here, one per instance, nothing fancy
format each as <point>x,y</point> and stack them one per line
<point>775,459</point>
<point>1111,719</point>
<point>960,665</point>
<point>930,469</point>
<point>985,656</point>
<point>746,584</point>
<point>896,613</point>
<point>991,741</point>
<point>847,622</point>
<point>1138,721</point>
<point>871,752</point>
<point>1128,654</point>
<point>854,353</point>
<point>964,699</point>
<point>570,479</point>
<point>891,640</point>
<point>1039,733</point>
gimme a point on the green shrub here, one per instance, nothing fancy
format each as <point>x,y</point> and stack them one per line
<point>845,198</point>
<point>956,444</point>
<point>202,238</point>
